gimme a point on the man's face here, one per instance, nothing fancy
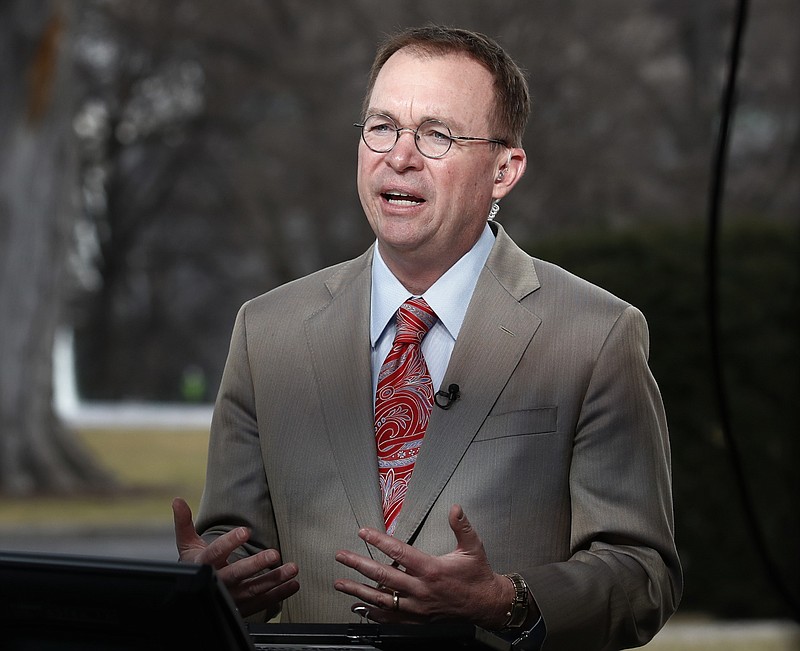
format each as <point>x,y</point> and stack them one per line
<point>424,209</point>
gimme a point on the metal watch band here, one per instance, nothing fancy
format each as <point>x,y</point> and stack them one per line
<point>518,612</point>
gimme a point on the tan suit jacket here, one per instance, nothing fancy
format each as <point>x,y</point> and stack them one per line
<point>557,448</point>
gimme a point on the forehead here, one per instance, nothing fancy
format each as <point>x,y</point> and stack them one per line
<point>412,87</point>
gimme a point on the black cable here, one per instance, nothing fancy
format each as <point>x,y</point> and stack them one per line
<point>712,258</point>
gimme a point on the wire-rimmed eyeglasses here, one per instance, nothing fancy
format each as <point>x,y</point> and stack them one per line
<point>433,138</point>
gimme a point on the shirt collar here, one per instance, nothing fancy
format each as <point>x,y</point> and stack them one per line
<point>449,296</point>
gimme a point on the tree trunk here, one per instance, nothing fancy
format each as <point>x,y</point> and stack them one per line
<point>38,454</point>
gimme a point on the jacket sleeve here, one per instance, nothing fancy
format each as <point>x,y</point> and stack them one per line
<point>236,491</point>
<point>623,579</point>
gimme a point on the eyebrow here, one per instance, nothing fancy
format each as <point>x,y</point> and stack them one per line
<point>451,124</point>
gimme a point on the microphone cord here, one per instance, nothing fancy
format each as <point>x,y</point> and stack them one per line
<point>712,258</point>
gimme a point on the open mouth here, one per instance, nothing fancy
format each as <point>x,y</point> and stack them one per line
<point>402,199</point>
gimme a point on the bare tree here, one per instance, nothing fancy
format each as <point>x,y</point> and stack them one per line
<point>218,152</point>
<point>227,152</point>
<point>37,453</point>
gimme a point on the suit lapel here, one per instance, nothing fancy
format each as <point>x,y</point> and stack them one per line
<point>338,338</point>
<point>496,332</point>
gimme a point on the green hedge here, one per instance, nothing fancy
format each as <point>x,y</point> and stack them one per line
<point>662,270</point>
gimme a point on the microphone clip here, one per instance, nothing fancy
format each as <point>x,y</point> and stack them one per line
<point>445,399</point>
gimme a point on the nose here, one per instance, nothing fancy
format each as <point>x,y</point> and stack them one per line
<point>405,155</point>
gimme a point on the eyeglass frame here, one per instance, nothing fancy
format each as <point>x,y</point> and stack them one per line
<point>450,137</point>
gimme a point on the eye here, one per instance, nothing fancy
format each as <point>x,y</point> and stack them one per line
<point>380,126</point>
<point>434,131</point>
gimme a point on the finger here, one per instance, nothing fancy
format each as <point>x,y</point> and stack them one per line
<point>251,566</point>
<point>276,595</point>
<point>215,553</point>
<point>280,581</point>
<point>266,591</point>
<point>467,539</point>
<point>414,561</point>
<point>182,517</point>
<point>219,550</point>
<point>383,575</point>
<point>186,537</point>
<point>372,596</point>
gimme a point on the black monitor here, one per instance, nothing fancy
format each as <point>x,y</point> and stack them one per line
<point>71,602</point>
<point>52,601</point>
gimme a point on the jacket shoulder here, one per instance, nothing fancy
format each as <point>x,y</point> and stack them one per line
<point>312,292</point>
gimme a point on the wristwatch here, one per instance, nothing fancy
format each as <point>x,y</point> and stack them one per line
<point>518,612</point>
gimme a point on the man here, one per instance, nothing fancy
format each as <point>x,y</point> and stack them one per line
<point>536,501</point>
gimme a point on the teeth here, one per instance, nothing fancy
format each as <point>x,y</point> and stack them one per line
<point>402,199</point>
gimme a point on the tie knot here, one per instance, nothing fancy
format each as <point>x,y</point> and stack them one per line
<point>414,318</point>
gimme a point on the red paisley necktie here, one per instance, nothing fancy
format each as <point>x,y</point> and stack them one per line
<point>403,405</point>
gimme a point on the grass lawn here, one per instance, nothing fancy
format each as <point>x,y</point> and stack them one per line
<point>152,465</point>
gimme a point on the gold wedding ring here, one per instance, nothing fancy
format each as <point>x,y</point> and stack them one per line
<point>395,600</point>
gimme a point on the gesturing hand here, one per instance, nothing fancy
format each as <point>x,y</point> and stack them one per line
<point>418,587</point>
<point>256,582</point>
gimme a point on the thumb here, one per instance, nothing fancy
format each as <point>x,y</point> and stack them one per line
<point>185,534</point>
<point>467,538</point>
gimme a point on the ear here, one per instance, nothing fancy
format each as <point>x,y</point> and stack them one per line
<point>510,168</point>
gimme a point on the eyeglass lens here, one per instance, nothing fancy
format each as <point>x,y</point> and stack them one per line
<point>432,137</point>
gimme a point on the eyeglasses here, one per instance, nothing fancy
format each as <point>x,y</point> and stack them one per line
<point>432,138</point>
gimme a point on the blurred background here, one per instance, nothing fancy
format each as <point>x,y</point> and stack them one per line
<point>162,162</point>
